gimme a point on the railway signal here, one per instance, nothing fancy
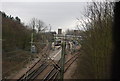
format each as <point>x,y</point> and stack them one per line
<point>32,40</point>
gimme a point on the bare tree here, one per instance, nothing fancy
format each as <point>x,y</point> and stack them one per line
<point>38,25</point>
<point>97,45</point>
<point>33,23</point>
<point>41,27</point>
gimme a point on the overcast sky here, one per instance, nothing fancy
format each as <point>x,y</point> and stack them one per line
<point>58,14</point>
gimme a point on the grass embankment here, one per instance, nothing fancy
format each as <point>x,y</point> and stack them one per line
<point>15,61</point>
<point>16,45</point>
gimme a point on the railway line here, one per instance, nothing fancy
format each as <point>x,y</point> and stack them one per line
<point>53,74</point>
<point>46,71</point>
<point>70,61</point>
<point>50,74</point>
<point>34,73</point>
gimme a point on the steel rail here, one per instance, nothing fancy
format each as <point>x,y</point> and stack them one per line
<point>70,58</point>
<point>38,72</point>
<point>47,76</point>
<point>32,75</point>
<point>70,64</point>
<point>54,76</point>
<point>50,78</point>
<point>31,67</point>
<point>29,70</point>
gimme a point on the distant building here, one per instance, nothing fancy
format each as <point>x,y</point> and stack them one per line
<point>59,31</point>
<point>76,32</point>
<point>53,33</point>
<point>50,33</point>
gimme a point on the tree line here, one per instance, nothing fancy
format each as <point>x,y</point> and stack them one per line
<point>97,43</point>
<point>17,36</point>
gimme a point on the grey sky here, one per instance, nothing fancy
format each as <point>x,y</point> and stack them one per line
<point>58,14</point>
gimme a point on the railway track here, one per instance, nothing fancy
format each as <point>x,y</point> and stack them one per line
<point>50,74</point>
<point>32,69</point>
<point>70,62</point>
<point>32,75</point>
<point>36,69</point>
<point>53,74</point>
